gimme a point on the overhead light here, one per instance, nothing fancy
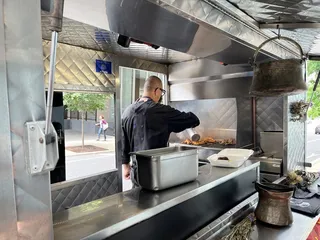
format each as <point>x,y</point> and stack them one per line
<point>125,41</point>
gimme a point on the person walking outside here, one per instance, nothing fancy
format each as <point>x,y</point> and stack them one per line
<point>103,126</point>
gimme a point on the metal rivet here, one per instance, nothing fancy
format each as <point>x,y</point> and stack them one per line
<point>41,140</point>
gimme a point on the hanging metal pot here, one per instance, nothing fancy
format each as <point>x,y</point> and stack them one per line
<point>279,77</point>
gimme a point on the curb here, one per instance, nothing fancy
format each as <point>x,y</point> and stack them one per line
<point>88,153</point>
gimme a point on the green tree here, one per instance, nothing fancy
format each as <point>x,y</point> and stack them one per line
<point>84,102</point>
<point>313,67</point>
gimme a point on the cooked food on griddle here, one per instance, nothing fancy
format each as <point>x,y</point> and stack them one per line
<point>210,140</point>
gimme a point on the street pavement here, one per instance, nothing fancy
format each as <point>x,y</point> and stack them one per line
<point>81,165</point>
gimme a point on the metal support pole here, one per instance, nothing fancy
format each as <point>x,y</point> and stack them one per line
<point>56,26</point>
<point>54,40</point>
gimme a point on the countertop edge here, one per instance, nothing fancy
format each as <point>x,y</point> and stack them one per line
<point>118,227</point>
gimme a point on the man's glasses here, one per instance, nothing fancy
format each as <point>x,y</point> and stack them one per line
<point>162,90</point>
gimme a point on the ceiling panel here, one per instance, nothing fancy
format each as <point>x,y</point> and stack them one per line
<point>287,11</point>
<point>86,36</point>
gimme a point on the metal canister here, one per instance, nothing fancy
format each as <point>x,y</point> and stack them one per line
<point>192,134</point>
<point>274,204</point>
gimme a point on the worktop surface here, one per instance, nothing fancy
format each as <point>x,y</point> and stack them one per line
<point>107,216</point>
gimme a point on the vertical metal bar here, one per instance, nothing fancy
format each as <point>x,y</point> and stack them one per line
<point>8,219</point>
<point>25,79</point>
<point>54,40</point>
<point>254,123</point>
<point>117,122</point>
<point>258,174</point>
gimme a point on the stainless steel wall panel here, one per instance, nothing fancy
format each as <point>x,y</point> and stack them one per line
<point>8,213</point>
<point>211,89</point>
<point>269,114</point>
<point>244,121</point>
<point>70,194</point>
<point>24,61</point>
<point>295,138</point>
<point>217,116</point>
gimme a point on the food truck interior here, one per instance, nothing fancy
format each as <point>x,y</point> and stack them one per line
<point>206,53</point>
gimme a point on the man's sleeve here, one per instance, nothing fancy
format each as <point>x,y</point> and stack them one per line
<point>125,147</point>
<point>179,121</point>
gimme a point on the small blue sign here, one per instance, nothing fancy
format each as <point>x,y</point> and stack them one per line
<point>103,66</point>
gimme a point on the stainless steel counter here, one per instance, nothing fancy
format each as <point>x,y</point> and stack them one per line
<point>299,230</point>
<point>105,217</point>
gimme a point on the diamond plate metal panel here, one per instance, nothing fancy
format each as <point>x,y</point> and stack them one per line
<point>76,66</point>
<point>71,194</point>
<point>244,121</point>
<point>83,35</point>
<point>216,116</point>
<point>269,114</point>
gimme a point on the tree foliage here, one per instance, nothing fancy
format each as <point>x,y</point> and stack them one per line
<point>84,102</point>
<point>313,68</point>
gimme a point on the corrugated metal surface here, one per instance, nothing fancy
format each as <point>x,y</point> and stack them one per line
<point>266,11</point>
<point>86,36</point>
<point>71,194</point>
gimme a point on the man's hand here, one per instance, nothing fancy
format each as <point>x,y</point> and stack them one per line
<point>126,171</point>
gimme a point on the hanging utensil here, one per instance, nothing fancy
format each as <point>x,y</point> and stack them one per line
<point>279,77</point>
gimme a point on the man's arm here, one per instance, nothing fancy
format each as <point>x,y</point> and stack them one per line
<point>125,154</point>
<point>179,121</point>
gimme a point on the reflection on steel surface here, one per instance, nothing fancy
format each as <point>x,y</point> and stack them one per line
<point>70,194</point>
<point>221,18</point>
<point>26,103</point>
<point>300,11</point>
<point>86,36</point>
<point>123,210</point>
<point>218,117</point>
<point>8,219</point>
<point>295,137</point>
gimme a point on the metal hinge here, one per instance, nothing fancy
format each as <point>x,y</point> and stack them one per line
<point>42,152</point>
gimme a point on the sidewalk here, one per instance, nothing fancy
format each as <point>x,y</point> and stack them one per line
<point>73,138</point>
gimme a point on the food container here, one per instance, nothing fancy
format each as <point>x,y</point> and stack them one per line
<point>236,158</point>
<point>166,167</point>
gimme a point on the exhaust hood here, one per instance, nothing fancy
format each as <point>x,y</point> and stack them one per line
<point>148,22</point>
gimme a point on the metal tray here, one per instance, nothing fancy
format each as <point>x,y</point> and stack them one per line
<point>166,167</point>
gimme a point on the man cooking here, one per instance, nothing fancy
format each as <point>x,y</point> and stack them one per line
<point>147,124</point>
